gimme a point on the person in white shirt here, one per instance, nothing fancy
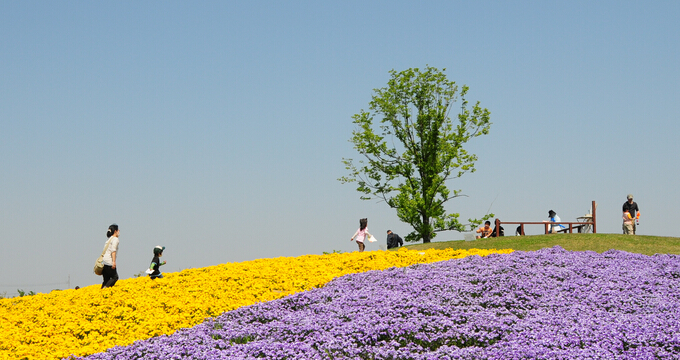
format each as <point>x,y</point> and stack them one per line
<point>554,228</point>
<point>110,273</point>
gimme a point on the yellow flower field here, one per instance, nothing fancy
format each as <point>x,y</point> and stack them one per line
<point>91,320</point>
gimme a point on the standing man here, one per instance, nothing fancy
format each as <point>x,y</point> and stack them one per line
<point>393,240</point>
<point>632,207</point>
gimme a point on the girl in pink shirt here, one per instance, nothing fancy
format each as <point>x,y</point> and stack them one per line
<point>361,234</point>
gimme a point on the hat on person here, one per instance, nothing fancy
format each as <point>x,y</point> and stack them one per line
<point>630,196</point>
<point>551,213</point>
<point>158,249</point>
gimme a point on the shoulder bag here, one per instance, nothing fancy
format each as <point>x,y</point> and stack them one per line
<point>99,264</point>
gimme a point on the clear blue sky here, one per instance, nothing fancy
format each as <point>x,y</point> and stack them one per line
<point>217,129</point>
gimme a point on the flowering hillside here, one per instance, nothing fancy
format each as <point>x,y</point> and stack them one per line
<point>548,304</point>
<point>90,320</point>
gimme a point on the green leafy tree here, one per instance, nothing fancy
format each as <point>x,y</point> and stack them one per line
<point>415,147</point>
<point>23,293</point>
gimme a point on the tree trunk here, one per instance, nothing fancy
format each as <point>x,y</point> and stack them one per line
<point>426,232</point>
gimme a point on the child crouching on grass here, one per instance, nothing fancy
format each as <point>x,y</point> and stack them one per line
<point>627,223</point>
<point>485,231</point>
<point>156,263</point>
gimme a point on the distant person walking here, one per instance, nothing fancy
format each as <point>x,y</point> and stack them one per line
<point>361,234</point>
<point>110,272</point>
<point>393,240</point>
<point>632,208</point>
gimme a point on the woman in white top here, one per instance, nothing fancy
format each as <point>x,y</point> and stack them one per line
<point>361,234</point>
<point>110,272</point>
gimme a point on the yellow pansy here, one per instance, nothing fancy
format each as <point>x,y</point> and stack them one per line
<point>91,320</point>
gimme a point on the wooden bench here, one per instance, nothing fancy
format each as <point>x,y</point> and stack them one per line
<point>570,226</point>
<point>578,228</point>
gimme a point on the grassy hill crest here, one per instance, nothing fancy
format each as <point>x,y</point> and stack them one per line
<point>642,244</point>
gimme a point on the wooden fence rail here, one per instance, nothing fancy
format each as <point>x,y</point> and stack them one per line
<point>579,226</point>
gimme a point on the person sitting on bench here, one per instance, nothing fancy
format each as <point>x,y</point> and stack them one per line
<point>495,233</point>
<point>554,228</point>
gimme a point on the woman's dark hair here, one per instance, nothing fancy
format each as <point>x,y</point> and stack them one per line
<point>112,230</point>
<point>363,223</point>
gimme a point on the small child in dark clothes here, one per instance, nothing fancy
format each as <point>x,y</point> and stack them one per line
<point>156,263</point>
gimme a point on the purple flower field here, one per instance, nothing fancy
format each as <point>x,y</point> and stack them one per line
<point>547,304</point>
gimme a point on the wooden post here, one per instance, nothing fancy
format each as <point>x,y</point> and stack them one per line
<point>594,217</point>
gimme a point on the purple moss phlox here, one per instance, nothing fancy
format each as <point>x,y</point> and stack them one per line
<point>546,304</point>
